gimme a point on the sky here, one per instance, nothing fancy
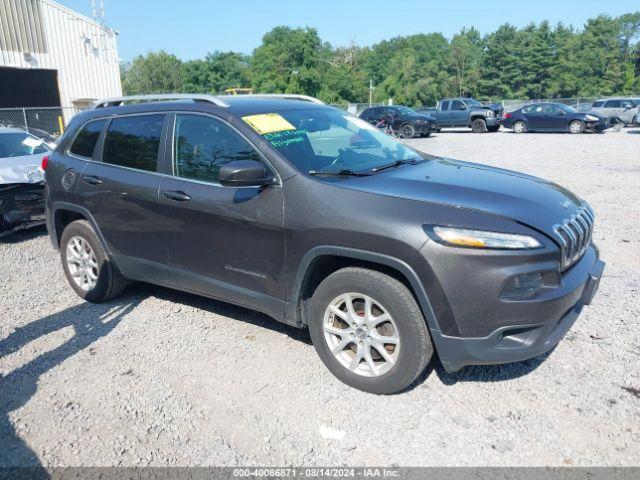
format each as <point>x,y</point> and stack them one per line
<point>191,28</point>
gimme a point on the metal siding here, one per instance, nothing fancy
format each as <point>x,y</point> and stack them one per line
<point>85,70</point>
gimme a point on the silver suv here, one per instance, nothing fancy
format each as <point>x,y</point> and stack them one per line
<point>626,109</point>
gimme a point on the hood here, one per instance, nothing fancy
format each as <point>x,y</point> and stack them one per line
<point>21,169</point>
<point>528,200</point>
<point>495,107</point>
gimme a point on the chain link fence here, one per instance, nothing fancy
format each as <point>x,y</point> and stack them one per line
<point>38,121</point>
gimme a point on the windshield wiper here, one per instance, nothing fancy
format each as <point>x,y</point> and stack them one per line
<point>397,163</point>
<point>345,172</point>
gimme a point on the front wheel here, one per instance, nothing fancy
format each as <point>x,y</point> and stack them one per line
<point>479,125</point>
<point>86,265</point>
<point>576,126</point>
<point>369,331</point>
<point>407,131</point>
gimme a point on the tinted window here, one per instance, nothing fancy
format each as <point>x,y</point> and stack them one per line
<point>85,141</point>
<point>133,142</point>
<point>612,104</point>
<point>627,104</point>
<point>528,109</point>
<point>444,105</point>
<point>458,105</point>
<point>597,104</point>
<point>202,145</point>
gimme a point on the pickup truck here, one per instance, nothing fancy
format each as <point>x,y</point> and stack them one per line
<point>466,112</point>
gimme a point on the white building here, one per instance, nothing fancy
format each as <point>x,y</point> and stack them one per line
<point>51,56</point>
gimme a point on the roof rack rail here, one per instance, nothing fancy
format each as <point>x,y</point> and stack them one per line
<point>288,96</point>
<point>117,101</point>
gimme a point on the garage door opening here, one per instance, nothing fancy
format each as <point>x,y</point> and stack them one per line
<point>22,88</point>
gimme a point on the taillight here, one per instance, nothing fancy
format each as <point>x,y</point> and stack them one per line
<point>45,160</point>
<point>507,115</point>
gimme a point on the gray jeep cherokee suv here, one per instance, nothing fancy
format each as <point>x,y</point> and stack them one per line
<point>308,214</point>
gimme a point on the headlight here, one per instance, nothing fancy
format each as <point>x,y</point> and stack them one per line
<point>592,118</point>
<point>460,237</point>
<point>490,113</point>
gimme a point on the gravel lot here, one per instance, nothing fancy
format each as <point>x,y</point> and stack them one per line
<point>160,378</point>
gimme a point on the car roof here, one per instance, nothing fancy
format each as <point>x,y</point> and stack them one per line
<point>238,105</point>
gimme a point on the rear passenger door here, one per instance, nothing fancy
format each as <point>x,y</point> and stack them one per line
<point>224,242</point>
<point>444,115</point>
<point>120,190</point>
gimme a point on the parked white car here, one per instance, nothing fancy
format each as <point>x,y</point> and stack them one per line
<point>21,180</point>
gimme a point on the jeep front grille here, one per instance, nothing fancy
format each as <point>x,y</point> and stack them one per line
<point>574,235</point>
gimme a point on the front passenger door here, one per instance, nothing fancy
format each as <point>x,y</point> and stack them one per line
<point>224,242</point>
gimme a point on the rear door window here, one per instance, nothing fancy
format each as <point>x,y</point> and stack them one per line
<point>85,142</point>
<point>444,105</point>
<point>134,141</point>
<point>597,104</point>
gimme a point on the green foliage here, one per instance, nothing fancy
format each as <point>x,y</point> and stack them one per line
<point>158,72</point>
<point>537,61</point>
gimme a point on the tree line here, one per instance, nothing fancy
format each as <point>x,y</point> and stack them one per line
<point>536,61</point>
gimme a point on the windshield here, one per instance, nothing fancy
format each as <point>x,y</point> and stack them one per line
<point>472,102</point>
<point>329,140</point>
<point>20,145</point>
<point>566,108</point>
<point>405,110</point>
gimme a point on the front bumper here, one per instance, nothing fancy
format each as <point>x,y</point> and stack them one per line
<point>494,121</point>
<point>21,207</point>
<point>517,342</point>
<point>422,128</point>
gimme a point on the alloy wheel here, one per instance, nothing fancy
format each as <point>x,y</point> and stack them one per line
<point>82,263</point>
<point>361,334</point>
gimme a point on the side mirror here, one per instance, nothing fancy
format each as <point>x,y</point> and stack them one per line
<point>244,173</point>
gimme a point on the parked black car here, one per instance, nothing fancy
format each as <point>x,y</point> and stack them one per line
<point>314,217</point>
<point>466,112</point>
<point>553,117</point>
<point>406,122</point>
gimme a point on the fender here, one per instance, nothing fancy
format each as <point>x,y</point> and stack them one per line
<point>292,308</point>
<point>53,234</point>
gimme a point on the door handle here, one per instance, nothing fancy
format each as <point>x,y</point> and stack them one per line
<point>92,180</point>
<point>177,196</point>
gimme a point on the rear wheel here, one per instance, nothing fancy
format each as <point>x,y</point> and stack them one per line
<point>520,127</point>
<point>407,131</point>
<point>88,269</point>
<point>479,125</point>
<point>576,126</point>
<point>369,331</point>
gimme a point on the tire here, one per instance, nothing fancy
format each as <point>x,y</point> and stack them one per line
<point>108,283</point>
<point>407,131</point>
<point>479,125</point>
<point>410,354</point>
<point>494,129</point>
<point>519,127</point>
<point>576,126</point>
